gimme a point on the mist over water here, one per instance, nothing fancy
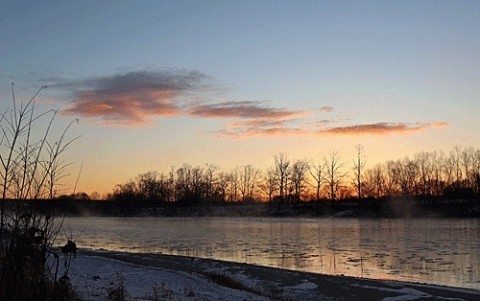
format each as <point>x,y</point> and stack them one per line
<point>435,251</point>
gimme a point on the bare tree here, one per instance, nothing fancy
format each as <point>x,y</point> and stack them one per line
<point>282,165</point>
<point>334,176</point>
<point>222,186</point>
<point>392,177</point>
<point>298,178</point>
<point>438,177</point>
<point>269,183</point>
<point>476,171</point>
<point>358,169</point>
<point>466,159</point>
<point>210,179</point>
<point>449,171</point>
<point>233,179</point>
<point>171,187</point>
<point>197,182</point>
<point>425,173</point>
<point>183,183</point>
<point>405,173</point>
<point>317,173</point>
<point>126,191</point>
<point>456,161</point>
<point>149,185</point>
<point>375,182</point>
<point>249,177</point>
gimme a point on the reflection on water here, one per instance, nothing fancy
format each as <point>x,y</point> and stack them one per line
<point>422,250</point>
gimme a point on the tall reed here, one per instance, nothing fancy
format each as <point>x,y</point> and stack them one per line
<point>30,167</point>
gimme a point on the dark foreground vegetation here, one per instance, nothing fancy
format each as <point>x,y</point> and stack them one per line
<point>29,170</point>
<point>29,262</point>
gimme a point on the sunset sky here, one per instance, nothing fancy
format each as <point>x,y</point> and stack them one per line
<point>156,84</point>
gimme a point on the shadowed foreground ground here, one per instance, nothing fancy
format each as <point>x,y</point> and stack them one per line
<point>263,283</point>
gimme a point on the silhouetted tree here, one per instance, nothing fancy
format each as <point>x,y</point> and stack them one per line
<point>358,167</point>
<point>234,178</point>
<point>298,178</point>
<point>171,186</point>
<point>127,191</point>
<point>476,171</point>
<point>427,174</point>
<point>282,165</point>
<point>249,177</point>
<point>317,173</point>
<point>222,186</point>
<point>210,180</point>
<point>375,182</point>
<point>334,174</point>
<point>269,184</point>
<point>149,186</point>
<point>407,176</point>
<point>183,184</point>
<point>456,160</point>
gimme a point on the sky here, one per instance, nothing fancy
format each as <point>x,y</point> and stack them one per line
<point>156,84</point>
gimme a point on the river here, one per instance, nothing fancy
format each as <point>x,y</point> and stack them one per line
<point>434,251</point>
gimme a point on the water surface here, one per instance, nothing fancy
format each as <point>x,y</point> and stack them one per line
<point>436,251</point>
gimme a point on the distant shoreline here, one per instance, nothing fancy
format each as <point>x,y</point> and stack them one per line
<point>367,208</point>
<point>306,286</point>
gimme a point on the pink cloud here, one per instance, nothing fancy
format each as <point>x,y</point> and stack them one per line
<point>124,108</point>
<point>132,98</point>
<point>382,128</point>
<point>256,129</point>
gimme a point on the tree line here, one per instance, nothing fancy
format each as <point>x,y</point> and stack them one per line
<point>426,174</point>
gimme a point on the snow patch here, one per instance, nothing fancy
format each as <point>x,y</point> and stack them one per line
<point>408,294</point>
<point>93,276</point>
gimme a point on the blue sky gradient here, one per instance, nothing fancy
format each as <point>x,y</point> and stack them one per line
<point>157,84</point>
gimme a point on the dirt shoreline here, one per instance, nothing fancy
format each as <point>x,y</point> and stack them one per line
<point>293,285</point>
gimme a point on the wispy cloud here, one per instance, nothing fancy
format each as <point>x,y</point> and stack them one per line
<point>136,97</point>
<point>251,118</point>
<point>280,128</point>
<point>257,128</point>
<point>382,128</point>
<point>131,98</point>
<point>326,109</point>
<point>323,123</point>
<point>243,109</point>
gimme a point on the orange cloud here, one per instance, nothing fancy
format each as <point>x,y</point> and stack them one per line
<point>256,128</point>
<point>382,128</point>
<point>123,108</point>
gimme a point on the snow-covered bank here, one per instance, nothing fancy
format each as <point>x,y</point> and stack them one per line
<point>93,276</point>
<point>164,277</point>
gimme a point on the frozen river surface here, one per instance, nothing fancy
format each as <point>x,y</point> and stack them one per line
<point>435,251</point>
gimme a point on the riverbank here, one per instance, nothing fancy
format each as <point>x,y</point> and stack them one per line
<point>166,277</point>
<point>399,207</point>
